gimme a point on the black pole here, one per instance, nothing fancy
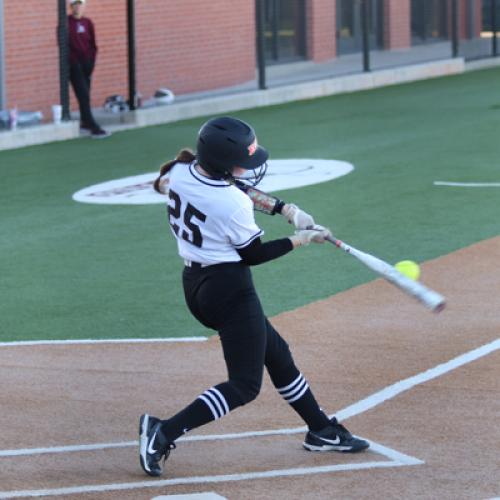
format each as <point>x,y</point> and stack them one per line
<point>365,22</point>
<point>454,28</point>
<point>261,62</point>
<point>494,28</point>
<point>62,40</point>
<point>132,91</point>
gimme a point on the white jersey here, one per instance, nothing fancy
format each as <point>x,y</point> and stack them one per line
<point>210,218</point>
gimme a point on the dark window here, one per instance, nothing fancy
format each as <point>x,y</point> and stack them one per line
<point>284,30</point>
<point>488,17</point>
<point>429,20</point>
<point>349,25</point>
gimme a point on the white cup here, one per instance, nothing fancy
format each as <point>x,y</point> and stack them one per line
<point>57,113</point>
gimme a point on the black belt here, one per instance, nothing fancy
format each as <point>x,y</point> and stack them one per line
<point>193,265</point>
<point>198,265</point>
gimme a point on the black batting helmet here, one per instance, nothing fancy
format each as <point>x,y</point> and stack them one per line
<point>225,143</point>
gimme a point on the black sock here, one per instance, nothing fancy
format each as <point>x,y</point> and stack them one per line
<point>295,390</point>
<point>214,403</point>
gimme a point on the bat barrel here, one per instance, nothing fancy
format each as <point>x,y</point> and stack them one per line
<point>429,298</point>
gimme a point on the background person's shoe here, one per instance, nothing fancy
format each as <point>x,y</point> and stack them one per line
<point>153,445</point>
<point>334,437</point>
<point>99,133</point>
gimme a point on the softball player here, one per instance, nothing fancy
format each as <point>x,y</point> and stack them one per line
<point>213,222</point>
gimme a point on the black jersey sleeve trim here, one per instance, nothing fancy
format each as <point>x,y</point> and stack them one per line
<point>252,238</point>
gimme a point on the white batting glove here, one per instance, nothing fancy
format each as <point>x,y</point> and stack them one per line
<point>317,234</point>
<point>297,217</point>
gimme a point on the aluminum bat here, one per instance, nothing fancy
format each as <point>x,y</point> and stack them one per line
<point>424,295</point>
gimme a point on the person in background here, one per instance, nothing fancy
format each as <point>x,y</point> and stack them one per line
<point>82,56</point>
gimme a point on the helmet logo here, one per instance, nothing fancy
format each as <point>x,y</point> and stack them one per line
<point>252,148</point>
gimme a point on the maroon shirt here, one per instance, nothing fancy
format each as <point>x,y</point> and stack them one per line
<point>82,46</point>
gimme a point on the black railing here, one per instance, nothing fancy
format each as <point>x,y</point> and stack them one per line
<point>132,90</point>
<point>62,39</point>
<point>494,27</point>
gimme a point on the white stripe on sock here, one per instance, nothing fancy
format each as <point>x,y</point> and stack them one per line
<point>299,395</point>
<point>210,405</point>
<point>284,389</point>
<point>295,390</point>
<point>222,399</point>
<point>215,401</point>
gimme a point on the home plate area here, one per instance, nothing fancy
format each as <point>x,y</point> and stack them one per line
<point>253,449</point>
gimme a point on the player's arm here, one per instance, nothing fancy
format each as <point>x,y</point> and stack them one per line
<point>271,205</point>
<point>258,252</point>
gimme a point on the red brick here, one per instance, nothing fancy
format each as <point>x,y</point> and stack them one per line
<point>186,45</point>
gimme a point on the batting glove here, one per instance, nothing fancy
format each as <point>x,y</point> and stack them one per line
<point>297,217</point>
<point>317,234</point>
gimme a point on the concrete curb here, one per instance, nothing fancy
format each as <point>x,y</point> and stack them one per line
<point>296,92</point>
<point>491,62</point>
<point>39,134</point>
<point>212,105</point>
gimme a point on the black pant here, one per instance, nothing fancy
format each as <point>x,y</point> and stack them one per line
<point>80,77</point>
<point>223,297</point>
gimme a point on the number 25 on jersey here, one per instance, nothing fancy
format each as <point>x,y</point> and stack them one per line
<point>175,216</point>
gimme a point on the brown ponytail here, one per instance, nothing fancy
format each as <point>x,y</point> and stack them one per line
<point>184,156</point>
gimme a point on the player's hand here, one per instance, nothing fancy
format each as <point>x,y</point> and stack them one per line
<point>316,234</point>
<point>297,217</point>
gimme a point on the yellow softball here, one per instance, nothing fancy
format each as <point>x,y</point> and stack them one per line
<point>409,268</point>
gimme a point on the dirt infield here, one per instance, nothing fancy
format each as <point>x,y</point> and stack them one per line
<point>434,435</point>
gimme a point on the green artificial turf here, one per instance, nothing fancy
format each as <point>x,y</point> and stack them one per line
<point>72,270</point>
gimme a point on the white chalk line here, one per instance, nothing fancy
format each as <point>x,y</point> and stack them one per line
<point>128,444</point>
<point>201,479</point>
<point>365,404</point>
<point>467,184</point>
<point>101,341</point>
<point>406,384</point>
<point>397,458</point>
<point>208,495</point>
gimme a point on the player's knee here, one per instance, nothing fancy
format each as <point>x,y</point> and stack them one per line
<point>247,389</point>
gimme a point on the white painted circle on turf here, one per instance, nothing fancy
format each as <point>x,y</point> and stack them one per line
<point>281,174</point>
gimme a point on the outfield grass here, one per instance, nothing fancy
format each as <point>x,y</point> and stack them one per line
<point>71,270</point>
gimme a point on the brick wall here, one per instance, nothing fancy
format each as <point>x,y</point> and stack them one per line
<point>321,29</point>
<point>464,7</point>
<point>185,45</point>
<point>479,17</point>
<point>178,45</point>
<point>31,55</point>
<point>397,30</point>
<point>190,46</point>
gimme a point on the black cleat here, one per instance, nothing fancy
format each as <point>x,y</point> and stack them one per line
<point>335,437</point>
<point>153,445</point>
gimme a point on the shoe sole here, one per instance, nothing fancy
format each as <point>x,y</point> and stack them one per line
<point>332,447</point>
<point>143,440</point>
<point>143,444</point>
